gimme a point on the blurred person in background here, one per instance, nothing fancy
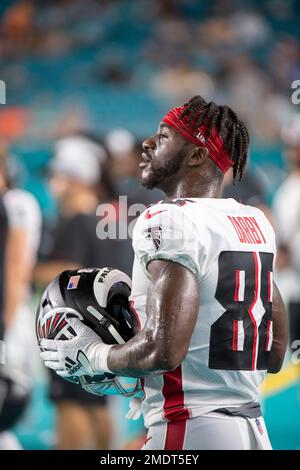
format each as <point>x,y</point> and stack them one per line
<point>3,244</point>
<point>251,192</point>
<point>76,181</point>
<point>287,217</point>
<point>125,154</point>
<point>24,230</point>
<point>3,240</point>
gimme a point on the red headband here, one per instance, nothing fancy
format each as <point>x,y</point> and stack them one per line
<point>213,143</point>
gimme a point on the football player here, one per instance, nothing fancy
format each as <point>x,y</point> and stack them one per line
<point>212,319</point>
<point>24,229</point>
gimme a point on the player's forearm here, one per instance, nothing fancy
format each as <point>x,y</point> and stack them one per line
<point>141,356</point>
<point>276,357</point>
<point>280,333</point>
<point>163,343</point>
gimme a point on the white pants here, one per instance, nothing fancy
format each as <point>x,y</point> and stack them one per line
<point>8,441</point>
<point>21,347</point>
<point>212,431</point>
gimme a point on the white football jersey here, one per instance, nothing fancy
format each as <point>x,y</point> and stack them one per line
<point>23,212</point>
<point>230,248</point>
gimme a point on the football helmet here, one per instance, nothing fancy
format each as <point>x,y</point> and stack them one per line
<point>99,298</point>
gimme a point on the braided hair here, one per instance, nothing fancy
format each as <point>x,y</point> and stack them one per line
<point>232,131</point>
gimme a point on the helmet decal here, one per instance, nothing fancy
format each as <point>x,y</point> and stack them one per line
<point>103,282</point>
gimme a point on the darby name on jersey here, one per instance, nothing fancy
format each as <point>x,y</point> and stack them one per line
<point>150,459</point>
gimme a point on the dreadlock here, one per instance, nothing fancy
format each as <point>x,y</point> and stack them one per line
<point>232,131</point>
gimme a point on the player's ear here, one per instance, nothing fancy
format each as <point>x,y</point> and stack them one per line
<point>197,156</point>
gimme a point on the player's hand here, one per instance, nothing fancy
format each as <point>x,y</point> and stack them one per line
<point>84,354</point>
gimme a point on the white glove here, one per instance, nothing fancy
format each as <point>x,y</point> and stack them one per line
<point>135,409</point>
<point>84,354</point>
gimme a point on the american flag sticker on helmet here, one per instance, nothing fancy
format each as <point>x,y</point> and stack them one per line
<point>73,282</point>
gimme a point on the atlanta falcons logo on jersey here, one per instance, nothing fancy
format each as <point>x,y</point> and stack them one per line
<point>154,233</point>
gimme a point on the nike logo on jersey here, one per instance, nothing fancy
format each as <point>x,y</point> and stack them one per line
<point>149,216</point>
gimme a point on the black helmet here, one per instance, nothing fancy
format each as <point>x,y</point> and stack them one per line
<point>99,298</point>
